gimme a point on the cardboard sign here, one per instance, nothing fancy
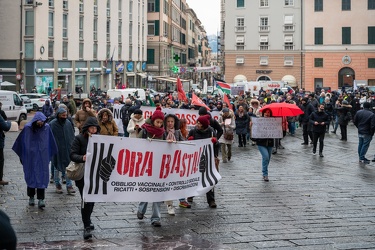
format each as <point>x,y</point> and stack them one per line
<point>267,127</point>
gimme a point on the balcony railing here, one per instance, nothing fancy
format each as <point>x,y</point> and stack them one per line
<point>289,27</point>
<point>264,28</point>
<point>263,47</point>
<point>240,28</point>
<point>288,47</point>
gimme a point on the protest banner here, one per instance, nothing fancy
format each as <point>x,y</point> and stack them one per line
<point>266,127</point>
<point>191,116</point>
<point>121,169</point>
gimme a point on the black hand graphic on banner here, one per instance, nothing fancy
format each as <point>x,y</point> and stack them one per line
<point>106,167</point>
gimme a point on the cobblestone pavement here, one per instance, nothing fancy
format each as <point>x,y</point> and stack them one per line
<point>309,203</point>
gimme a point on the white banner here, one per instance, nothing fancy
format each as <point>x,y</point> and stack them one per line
<point>122,169</point>
<point>191,116</point>
<point>266,127</point>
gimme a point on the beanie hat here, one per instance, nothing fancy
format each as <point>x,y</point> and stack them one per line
<point>138,112</point>
<point>157,115</point>
<point>202,111</point>
<point>204,120</point>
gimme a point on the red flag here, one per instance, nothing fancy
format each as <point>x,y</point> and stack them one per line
<point>198,102</point>
<point>180,90</point>
<point>226,100</point>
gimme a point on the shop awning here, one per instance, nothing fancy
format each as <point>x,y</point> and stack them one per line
<point>169,79</point>
<point>143,75</point>
<point>130,74</point>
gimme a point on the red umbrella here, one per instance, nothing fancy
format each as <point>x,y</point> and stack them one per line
<point>283,109</point>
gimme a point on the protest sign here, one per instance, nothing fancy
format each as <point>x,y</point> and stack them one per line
<point>266,127</point>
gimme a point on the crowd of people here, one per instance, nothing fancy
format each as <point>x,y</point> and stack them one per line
<point>50,136</point>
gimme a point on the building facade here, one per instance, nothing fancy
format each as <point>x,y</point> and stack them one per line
<point>73,44</point>
<point>339,43</point>
<point>262,40</point>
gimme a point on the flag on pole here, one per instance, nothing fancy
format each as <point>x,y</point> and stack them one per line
<point>152,104</point>
<point>226,100</point>
<point>198,102</point>
<point>180,90</point>
<point>222,85</point>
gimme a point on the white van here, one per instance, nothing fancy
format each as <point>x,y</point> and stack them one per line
<point>125,93</point>
<point>13,106</point>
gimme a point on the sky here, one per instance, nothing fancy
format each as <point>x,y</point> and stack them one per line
<point>208,12</point>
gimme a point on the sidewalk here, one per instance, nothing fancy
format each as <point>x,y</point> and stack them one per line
<point>309,203</point>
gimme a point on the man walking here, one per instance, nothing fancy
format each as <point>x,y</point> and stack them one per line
<point>364,120</point>
<point>319,119</point>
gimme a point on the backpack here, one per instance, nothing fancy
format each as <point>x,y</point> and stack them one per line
<point>125,115</point>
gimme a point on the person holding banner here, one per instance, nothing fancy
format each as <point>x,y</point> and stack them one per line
<point>172,134</point>
<point>107,124</point>
<point>135,123</point>
<point>152,129</point>
<point>203,130</point>
<point>78,154</point>
<point>265,148</point>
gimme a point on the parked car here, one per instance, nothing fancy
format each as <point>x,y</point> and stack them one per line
<point>27,103</point>
<point>38,100</point>
<point>154,92</point>
<point>13,106</point>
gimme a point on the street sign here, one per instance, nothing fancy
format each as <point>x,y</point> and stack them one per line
<point>18,76</point>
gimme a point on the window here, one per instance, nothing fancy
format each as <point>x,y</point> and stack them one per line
<point>288,61</point>
<point>240,42</point>
<point>150,56</point>
<point>288,23</point>
<point>345,5</point>
<point>50,49</point>
<point>95,33</point>
<point>263,60</point>
<point>371,4</point>
<point>65,26</point>
<point>263,24</point>
<point>95,7</point>
<point>95,51</point>
<point>318,62</point>
<point>151,6</point>
<point>29,1</point>
<point>346,35</point>
<point>288,42</point>
<point>51,3</point>
<point>371,35</point>
<point>263,43</point>
<point>108,8</point>
<point>119,54</point>
<point>120,31</point>
<point>108,50</point>
<point>240,24</point>
<point>65,49</point>
<point>81,6</point>
<point>81,23</point>
<point>263,3</point>
<point>29,23</point>
<point>371,63</point>
<point>318,5</point>
<point>65,4</point>
<point>119,8</point>
<point>29,49</point>
<point>81,50</point>
<point>50,24</point>
<point>318,36</point>
<point>289,2</point>
<point>151,28</point>
<point>108,29</point>
<point>240,3</point>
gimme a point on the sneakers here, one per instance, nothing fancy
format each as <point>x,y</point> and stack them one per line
<point>265,178</point>
<point>31,201</point>
<point>140,215</point>
<point>70,190</point>
<point>314,152</point>
<point>156,224</point>
<point>365,161</point>
<point>63,179</point>
<point>171,210</point>
<point>184,204</point>
<point>212,204</point>
<point>190,199</point>
<point>87,233</point>
<point>59,189</point>
<point>41,204</point>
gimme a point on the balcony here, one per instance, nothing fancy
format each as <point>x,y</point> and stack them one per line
<point>264,28</point>
<point>288,27</point>
<point>288,47</point>
<point>240,29</point>
<point>263,47</point>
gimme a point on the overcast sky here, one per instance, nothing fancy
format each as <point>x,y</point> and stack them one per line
<point>208,12</point>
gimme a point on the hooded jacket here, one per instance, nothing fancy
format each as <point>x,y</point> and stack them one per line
<point>133,132</point>
<point>110,127</point>
<point>82,114</point>
<point>35,147</point>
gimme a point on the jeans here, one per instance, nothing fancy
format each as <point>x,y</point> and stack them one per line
<point>336,123</point>
<point>292,127</point>
<point>142,208</point>
<point>363,145</point>
<point>126,134</point>
<point>266,153</point>
<point>242,140</point>
<point>56,178</point>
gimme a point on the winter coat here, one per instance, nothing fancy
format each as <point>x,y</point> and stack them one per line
<point>133,132</point>
<point>364,120</point>
<point>307,109</point>
<point>47,109</point>
<point>227,128</point>
<point>82,115</point>
<point>319,117</point>
<point>35,147</point>
<point>177,131</point>
<point>344,115</point>
<point>109,127</point>
<point>64,136</point>
<point>242,123</point>
<point>4,126</point>
<point>209,132</point>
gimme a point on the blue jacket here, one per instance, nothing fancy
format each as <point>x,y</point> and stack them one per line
<point>4,126</point>
<point>35,146</point>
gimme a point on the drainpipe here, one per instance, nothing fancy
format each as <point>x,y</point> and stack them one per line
<point>21,52</point>
<point>301,41</point>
